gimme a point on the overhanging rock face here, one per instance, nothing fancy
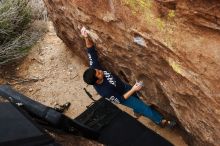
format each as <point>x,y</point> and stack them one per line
<point>173,46</point>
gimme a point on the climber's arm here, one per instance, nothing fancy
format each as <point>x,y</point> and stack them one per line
<point>91,50</point>
<point>135,88</point>
<point>89,42</point>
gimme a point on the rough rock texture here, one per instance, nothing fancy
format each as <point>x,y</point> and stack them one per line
<point>173,46</point>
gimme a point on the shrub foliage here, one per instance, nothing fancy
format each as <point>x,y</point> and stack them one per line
<point>17,34</point>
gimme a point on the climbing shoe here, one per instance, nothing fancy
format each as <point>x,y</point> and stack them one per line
<point>62,108</point>
<point>168,123</point>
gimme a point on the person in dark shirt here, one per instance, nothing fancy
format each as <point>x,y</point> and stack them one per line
<point>114,89</point>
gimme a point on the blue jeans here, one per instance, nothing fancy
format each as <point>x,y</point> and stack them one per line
<point>141,108</point>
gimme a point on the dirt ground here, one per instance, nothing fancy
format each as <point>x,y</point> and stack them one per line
<point>52,74</point>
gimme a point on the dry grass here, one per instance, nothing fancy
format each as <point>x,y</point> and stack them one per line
<point>39,10</point>
<point>17,32</point>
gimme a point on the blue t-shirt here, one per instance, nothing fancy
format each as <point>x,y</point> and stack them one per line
<point>112,87</point>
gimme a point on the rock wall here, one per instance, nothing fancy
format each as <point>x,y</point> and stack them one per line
<point>173,46</point>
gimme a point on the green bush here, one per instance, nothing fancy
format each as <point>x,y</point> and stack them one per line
<point>17,35</point>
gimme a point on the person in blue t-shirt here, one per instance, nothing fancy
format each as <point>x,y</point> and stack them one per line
<point>114,89</point>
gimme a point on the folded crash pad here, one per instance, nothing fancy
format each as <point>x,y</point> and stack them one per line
<point>16,129</point>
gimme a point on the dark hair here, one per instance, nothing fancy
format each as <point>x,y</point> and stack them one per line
<point>89,76</point>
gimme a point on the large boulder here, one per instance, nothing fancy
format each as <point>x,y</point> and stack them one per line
<point>173,46</point>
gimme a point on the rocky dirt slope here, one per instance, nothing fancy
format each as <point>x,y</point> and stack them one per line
<point>173,46</point>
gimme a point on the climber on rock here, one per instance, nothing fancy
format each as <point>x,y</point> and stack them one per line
<point>114,89</point>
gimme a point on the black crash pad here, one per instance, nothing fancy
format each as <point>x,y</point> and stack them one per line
<point>16,129</point>
<point>117,127</point>
<point>114,127</point>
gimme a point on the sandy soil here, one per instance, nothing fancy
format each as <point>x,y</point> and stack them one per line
<point>52,74</point>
